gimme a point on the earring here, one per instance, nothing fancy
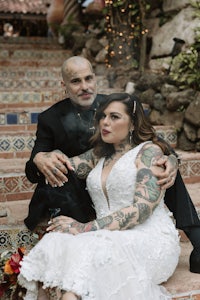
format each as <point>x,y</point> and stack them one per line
<point>130,137</point>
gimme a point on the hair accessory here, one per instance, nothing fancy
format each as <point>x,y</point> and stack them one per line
<point>134,107</point>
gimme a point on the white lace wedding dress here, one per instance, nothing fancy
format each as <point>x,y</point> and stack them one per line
<point>108,265</point>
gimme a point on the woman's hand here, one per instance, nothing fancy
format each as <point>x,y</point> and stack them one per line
<point>167,176</point>
<point>69,225</point>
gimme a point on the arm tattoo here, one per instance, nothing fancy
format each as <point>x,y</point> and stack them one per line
<point>81,227</point>
<point>144,212</point>
<point>104,222</point>
<point>125,220</point>
<point>87,156</point>
<point>150,154</point>
<point>83,170</point>
<point>146,186</point>
<point>83,163</point>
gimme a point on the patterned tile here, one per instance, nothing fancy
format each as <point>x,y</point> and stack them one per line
<point>28,97</point>
<point>24,118</point>
<point>12,118</point>
<point>16,143</point>
<point>4,54</point>
<point>38,54</point>
<point>13,184</point>
<point>190,168</point>
<point>12,237</point>
<point>2,119</point>
<point>51,73</point>
<point>167,134</point>
<point>25,97</point>
<point>4,145</point>
<point>29,84</point>
<point>34,118</point>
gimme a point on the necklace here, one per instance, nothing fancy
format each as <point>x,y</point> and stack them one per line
<point>87,119</point>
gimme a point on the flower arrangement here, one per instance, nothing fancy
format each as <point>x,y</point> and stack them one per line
<point>9,270</point>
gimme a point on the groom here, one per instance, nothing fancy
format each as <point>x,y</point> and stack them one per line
<point>68,126</point>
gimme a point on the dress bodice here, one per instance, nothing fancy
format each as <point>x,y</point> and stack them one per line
<point>120,184</point>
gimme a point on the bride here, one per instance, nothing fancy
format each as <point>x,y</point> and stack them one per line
<point>132,246</point>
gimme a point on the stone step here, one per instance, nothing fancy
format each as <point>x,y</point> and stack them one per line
<point>183,284</point>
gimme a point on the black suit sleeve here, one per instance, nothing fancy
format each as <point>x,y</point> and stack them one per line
<point>178,200</point>
<point>44,143</point>
<point>180,204</point>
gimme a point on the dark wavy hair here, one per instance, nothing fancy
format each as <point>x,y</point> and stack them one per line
<point>143,130</point>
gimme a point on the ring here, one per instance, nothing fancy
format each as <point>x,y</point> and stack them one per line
<point>54,171</point>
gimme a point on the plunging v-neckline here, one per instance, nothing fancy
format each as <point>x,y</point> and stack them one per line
<point>104,186</point>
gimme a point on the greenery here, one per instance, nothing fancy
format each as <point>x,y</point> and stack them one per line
<point>186,65</point>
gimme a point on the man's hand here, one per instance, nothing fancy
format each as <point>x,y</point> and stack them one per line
<point>53,166</point>
<point>168,175</point>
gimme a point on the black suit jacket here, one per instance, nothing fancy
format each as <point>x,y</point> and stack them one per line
<point>64,127</point>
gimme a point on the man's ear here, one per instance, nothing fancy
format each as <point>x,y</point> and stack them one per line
<point>64,86</point>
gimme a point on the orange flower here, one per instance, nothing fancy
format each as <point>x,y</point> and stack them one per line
<point>22,250</point>
<point>7,268</point>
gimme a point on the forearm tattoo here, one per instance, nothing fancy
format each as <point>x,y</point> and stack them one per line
<point>120,220</point>
<point>83,163</point>
<point>83,170</point>
<point>144,212</point>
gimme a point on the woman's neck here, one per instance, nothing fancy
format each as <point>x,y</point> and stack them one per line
<point>120,149</point>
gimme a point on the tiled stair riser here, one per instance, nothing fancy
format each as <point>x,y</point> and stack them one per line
<point>17,142</point>
<point>25,99</point>
<point>19,118</point>
<point>30,73</point>
<point>190,170</point>
<point>29,43</point>
<point>189,297</point>
<point>167,133</point>
<point>11,142</point>
<point>34,54</point>
<point>27,84</point>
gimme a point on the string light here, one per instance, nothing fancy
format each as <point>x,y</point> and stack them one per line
<point>124,30</point>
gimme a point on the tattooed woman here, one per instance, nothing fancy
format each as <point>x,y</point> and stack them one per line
<point>132,246</point>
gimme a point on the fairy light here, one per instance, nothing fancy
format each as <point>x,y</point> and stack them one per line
<point>124,30</point>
